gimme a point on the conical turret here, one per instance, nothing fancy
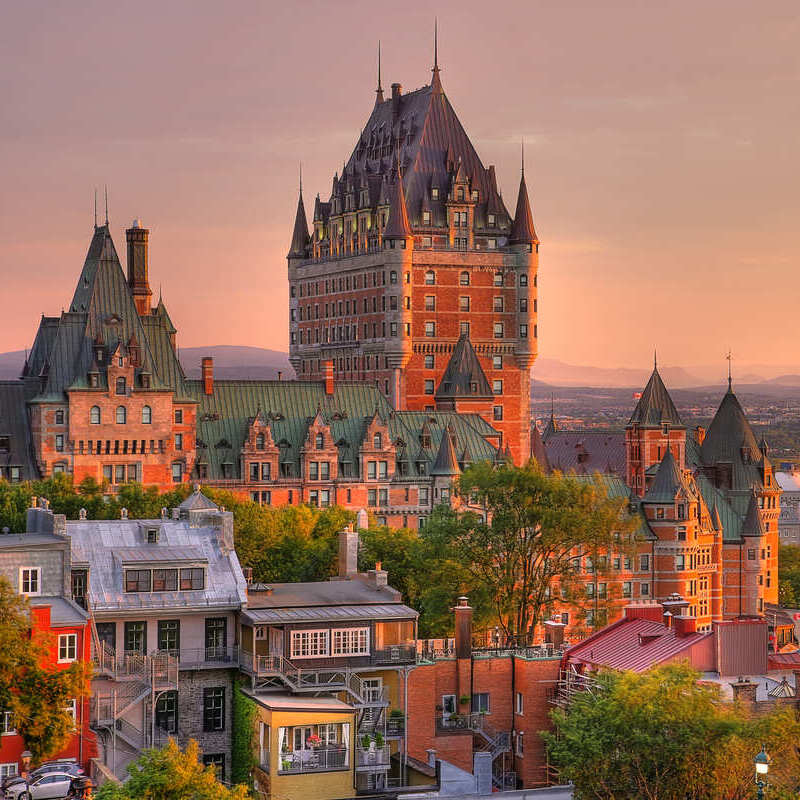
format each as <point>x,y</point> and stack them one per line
<point>522,231</point>
<point>397,226</point>
<point>300,236</point>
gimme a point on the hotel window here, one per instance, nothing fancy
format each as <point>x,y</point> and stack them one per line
<point>313,471</point>
<point>499,330</point>
<point>121,386</point>
<point>434,193</point>
<point>59,416</point>
<point>372,497</point>
<point>498,279</point>
<point>122,415</point>
<point>59,442</point>
<point>430,302</point>
<point>382,467</point>
<point>383,497</point>
<point>429,362</point>
<point>520,743</point>
<point>67,647</point>
<point>165,580</point>
<point>523,331</point>
<point>94,415</point>
<point>680,562</point>
<point>137,580</point>
<point>319,442</point>
<point>179,441</point>
<point>371,470</point>
<point>463,328</point>
<point>491,244</point>
<point>519,704</point>
<point>523,305</point>
<point>463,303</point>
<point>309,644</point>
<point>30,580</point>
<point>214,709</point>
<point>626,588</point>
<point>169,635</point>
<point>430,278</point>
<point>266,471</point>
<point>167,712</point>
<point>324,470</point>
<point>497,362</point>
<point>423,496</point>
<point>497,413</point>
<point>177,472</point>
<point>644,563</point>
<point>147,415</point>
<point>351,642</point>
<point>644,589</point>
<point>429,387</point>
<point>498,304</point>
<point>426,217</point>
<point>216,760</point>
<point>497,387</point>
<point>430,329</point>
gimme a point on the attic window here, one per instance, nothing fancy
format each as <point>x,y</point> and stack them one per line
<point>152,536</point>
<point>473,387</point>
<point>435,193</point>
<point>474,195</point>
<point>491,220</point>
<point>5,444</point>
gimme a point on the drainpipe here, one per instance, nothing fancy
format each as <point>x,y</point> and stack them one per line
<point>406,670</point>
<point>513,714</point>
<point>741,553</point>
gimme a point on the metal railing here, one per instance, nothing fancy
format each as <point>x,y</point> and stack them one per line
<point>395,726</point>
<point>376,757</point>
<point>314,760</point>
<point>395,654</point>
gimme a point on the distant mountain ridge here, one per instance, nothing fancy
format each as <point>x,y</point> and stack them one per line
<point>243,362</point>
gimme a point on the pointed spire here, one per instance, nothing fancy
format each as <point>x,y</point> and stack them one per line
<point>105,189</point>
<point>398,226</point>
<point>300,235</point>
<point>655,406</point>
<point>379,90</point>
<point>446,462</point>
<point>655,358</point>
<point>436,81</point>
<point>95,208</point>
<point>730,382</point>
<point>522,230</point>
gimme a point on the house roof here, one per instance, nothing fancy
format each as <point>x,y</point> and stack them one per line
<point>294,702</point>
<point>464,376</point>
<point>323,594</point>
<point>668,482</point>
<point>522,230</point>
<point>14,424</point>
<point>105,545</point>
<point>446,462</point>
<point>357,613</point>
<point>586,451</point>
<point>655,406</point>
<point>64,613</point>
<point>632,644</point>
<point>300,236</point>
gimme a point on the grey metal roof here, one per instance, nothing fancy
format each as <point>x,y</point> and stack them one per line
<point>198,501</point>
<point>668,482</point>
<point>464,376</point>
<point>260,616</point>
<point>323,593</point>
<point>13,540</point>
<point>63,612</point>
<point>655,406</point>
<point>14,424</point>
<point>158,553</point>
<point>99,543</point>
<point>586,451</point>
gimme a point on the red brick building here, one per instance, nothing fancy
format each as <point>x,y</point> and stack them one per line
<point>414,251</point>
<point>38,566</point>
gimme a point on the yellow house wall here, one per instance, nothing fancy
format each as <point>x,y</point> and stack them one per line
<point>316,785</point>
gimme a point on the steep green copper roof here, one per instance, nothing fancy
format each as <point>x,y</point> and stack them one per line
<point>655,406</point>
<point>464,377</point>
<point>753,525</point>
<point>668,482</point>
<point>614,486</point>
<point>446,462</point>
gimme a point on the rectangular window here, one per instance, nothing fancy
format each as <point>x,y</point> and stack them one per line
<point>169,635</point>
<point>523,331</point>
<point>480,703</point>
<point>313,471</point>
<point>30,580</point>
<point>644,589</point>
<point>430,302</point>
<point>430,329</point>
<point>254,471</point>
<point>60,442</point>
<point>429,362</point>
<point>463,303</point>
<point>626,589</point>
<point>499,330</point>
<point>137,580</point>
<point>383,497</point>
<point>309,644</point>
<point>498,304</point>
<point>382,469</point>
<point>266,471</point>
<point>429,387</point>
<point>165,580</point>
<point>6,728</point>
<point>178,416</point>
<point>136,637</point>
<point>67,647</point>
<point>520,743</point>
<point>680,562</point>
<point>423,495</point>
<point>497,413</point>
<point>216,760</point>
<point>371,470</point>
<point>463,328</point>
<point>324,470</point>
<point>497,387</point>
<point>179,441</point>
<point>644,563</point>
<point>9,770</point>
<point>214,709</point>
<point>167,712</point>
<point>372,497</point>
<point>351,642</point>
<point>177,472</point>
<point>192,578</point>
<point>519,704</point>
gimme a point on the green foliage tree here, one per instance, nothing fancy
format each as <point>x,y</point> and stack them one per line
<point>789,575</point>
<point>171,774</point>
<point>662,735</point>
<point>243,736</point>
<point>36,694</point>
<point>534,526</point>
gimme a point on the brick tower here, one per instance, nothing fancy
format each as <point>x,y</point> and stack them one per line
<point>413,262</point>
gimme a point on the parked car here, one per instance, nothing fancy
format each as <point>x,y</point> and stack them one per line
<point>49,786</point>
<point>70,767</point>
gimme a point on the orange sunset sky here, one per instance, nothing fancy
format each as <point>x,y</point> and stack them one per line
<point>661,154</point>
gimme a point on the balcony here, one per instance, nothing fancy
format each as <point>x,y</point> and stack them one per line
<point>395,654</point>
<point>319,760</point>
<point>395,727</point>
<point>205,657</point>
<point>377,758</point>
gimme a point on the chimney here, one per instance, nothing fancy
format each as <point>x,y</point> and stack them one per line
<point>138,280</point>
<point>327,374</point>
<point>348,553</point>
<point>280,375</point>
<point>744,690</point>
<point>463,613</point>
<point>666,618</point>
<point>554,631</point>
<point>207,367</point>
<point>378,577</point>
<point>699,434</point>
<point>397,92</point>
<point>684,625</point>
<point>431,757</point>
<point>248,574</point>
<point>676,605</point>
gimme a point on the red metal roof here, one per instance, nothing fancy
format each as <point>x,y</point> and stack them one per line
<point>780,661</point>
<point>632,644</point>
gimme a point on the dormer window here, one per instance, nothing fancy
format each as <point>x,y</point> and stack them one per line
<point>474,196</point>
<point>491,220</point>
<point>121,386</point>
<point>460,194</point>
<point>426,217</point>
<point>377,441</point>
<point>260,440</point>
<point>319,441</point>
<point>120,362</point>
<point>152,536</point>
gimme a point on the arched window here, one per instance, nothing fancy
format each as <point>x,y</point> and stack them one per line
<point>464,278</point>
<point>430,278</point>
<point>147,415</point>
<point>319,442</point>
<point>377,441</point>
<point>94,415</point>
<point>121,386</point>
<point>260,441</point>
<point>122,415</point>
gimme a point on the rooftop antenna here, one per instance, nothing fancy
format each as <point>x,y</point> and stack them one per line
<point>729,357</point>
<point>379,90</point>
<point>105,189</point>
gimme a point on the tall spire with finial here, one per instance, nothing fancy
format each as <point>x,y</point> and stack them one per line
<point>379,90</point>
<point>95,208</point>
<point>730,380</point>
<point>655,358</point>
<point>105,190</point>
<point>436,81</point>
<point>522,230</point>
<point>300,235</point>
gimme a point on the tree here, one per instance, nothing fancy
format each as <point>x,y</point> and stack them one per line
<point>534,526</point>
<point>789,574</point>
<point>662,735</point>
<point>36,694</point>
<point>171,774</point>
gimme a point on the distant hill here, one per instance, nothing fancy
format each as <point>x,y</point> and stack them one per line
<point>230,362</point>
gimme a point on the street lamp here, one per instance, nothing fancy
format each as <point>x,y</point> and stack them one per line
<point>762,768</point>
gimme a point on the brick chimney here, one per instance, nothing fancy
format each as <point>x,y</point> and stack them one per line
<point>463,613</point>
<point>207,367</point>
<point>397,93</point>
<point>348,553</point>
<point>684,625</point>
<point>699,434</point>
<point>138,280</point>
<point>327,374</point>
<point>554,631</point>
<point>378,577</point>
<point>744,690</point>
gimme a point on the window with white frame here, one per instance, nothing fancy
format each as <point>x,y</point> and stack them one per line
<point>519,703</point>
<point>309,644</point>
<point>72,710</point>
<point>351,642</point>
<point>67,647</point>
<point>520,743</point>
<point>30,580</point>
<point>6,728</point>
<point>8,770</point>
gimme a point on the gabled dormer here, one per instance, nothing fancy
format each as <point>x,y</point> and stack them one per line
<point>120,372</point>
<point>377,452</point>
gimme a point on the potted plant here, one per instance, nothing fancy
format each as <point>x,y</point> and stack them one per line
<point>378,739</point>
<point>365,740</point>
<point>313,741</point>
<point>464,699</point>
